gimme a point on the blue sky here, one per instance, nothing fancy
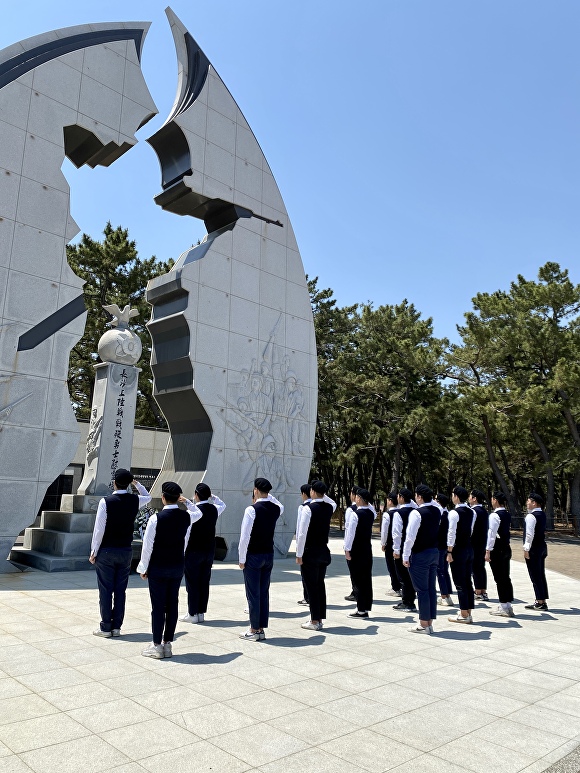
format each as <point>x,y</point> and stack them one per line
<point>425,149</point>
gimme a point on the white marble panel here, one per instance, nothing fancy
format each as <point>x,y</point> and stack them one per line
<point>216,414</point>
<point>271,231</point>
<point>271,195</point>
<point>294,267</point>
<point>132,115</point>
<point>66,294</point>
<point>248,179</point>
<point>41,295</point>
<point>106,64</point>
<point>244,317</point>
<point>20,451</point>
<point>33,394</point>
<point>273,291</point>
<point>274,258</point>
<point>15,103</point>
<point>214,308</point>
<point>210,381</point>
<point>12,140</point>
<point>135,88</point>
<point>38,252</point>
<point>194,120</point>
<point>9,187</point>
<point>298,301</point>
<point>247,147</point>
<point>223,243</point>
<point>75,59</point>
<point>247,245</point>
<point>216,271</point>
<point>56,446</point>
<point>59,414</point>
<point>245,280</point>
<point>219,164</point>
<point>68,276</point>
<point>6,236</point>
<point>47,117</point>
<point>14,49</point>
<point>219,98</point>
<point>18,497</point>
<point>214,189</point>
<point>243,350</point>
<point>58,81</point>
<point>291,242</point>
<point>221,131</point>
<point>215,474</point>
<point>298,335</point>
<point>254,205</point>
<point>3,285</point>
<point>43,161</point>
<point>33,362</point>
<point>63,343</point>
<point>100,103</point>
<point>212,347</point>
<point>272,322</point>
<point>42,207</point>
<point>72,228</point>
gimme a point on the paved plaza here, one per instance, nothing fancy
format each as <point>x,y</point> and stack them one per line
<point>501,695</point>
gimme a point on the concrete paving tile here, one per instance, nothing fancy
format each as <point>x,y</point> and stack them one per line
<point>149,738</point>
<point>90,755</point>
<point>516,690</point>
<point>80,695</point>
<point>312,692</point>
<point>259,744</point>
<point>52,680</point>
<point>312,725</point>
<point>112,669</point>
<point>42,731</point>
<point>8,640</point>
<point>429,763</point>
<point>214,719</point>
<point>13,764</point>
<point>4,751</point>
<point>496,667</point>
<point>266,705</point>
<point>138,684</point>
<point>398,696</point>
<point>565,704</point>
<point>491,703</point>
<point>202,757</point>
<point>101,717</point>
<point>543,680</point>
<point>352,681</point>
<point>225,688</point>
<point>10,688</point>
<point>172,699</point>
<point>24,707</point>
<point>83,657</point>
<point>544,718</point>
<point>471,754</point>
<point>311,760</point>
<point>360,711</point>
<point>371,751</point>
<point>518,737</point>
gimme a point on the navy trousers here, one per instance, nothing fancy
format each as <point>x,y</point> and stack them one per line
<point>313,574</point>
<point>257,573</point>
<point>479,573</point>
<point>423,571</point>
<point>198,566</point>
<point>536,569</point>
<point>461,569</point>
<point>164,593</point>
<point>391,568</point>
<point>443,577</point>
<point>113,567</point>
<point>500,568</point>
<point>361,565</point>
<point>407,589</point>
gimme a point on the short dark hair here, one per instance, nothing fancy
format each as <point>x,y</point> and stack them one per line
<point>478,494</point>
<point>171,499</point>
<point>263,485</point>
<point>319,487</point>
<point>203,491</point>
<point>305,488</point>
<point>123,477</point>
<point>537,498</point>
<point>461,493</point>
<point>500,497</point>
<point>424,492</point>
<point>354,490</point>
<point>364,495</point>
<point>406,494</point>
<point>443,499</point>
<point>392,497</point>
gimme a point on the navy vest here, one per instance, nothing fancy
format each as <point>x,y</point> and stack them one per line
<point>389,542</point>
<point>463,534</point>
<point>539,541</point>
<point>169,544</point>
<point>262,536</point>
<point>319,526</point>
<point>479,536</point>
<point>364,530</point>
<point>202,535</point>
<point>405,511</point>
<point>443,529</point>
<point>428,533</point>
<point>503,531</point>
<point>122,510</point>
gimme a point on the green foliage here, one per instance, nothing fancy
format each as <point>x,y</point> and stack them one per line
<point>113,273</point>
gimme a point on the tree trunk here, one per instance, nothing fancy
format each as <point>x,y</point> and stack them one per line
<point>397,463</point>
<point>549,471</point>
<point>374,468</point>
<point>513,502</point>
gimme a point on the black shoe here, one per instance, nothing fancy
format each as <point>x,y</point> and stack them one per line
<point>304,603</point>
<point>481,596</point>
<point>360,615</point>
<point>352,597</point>
<point>404,607</point>
<point>537,606</point>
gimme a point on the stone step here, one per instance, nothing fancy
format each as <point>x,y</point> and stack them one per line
<point>59,520</point>
<point>49,563</point>
<point>58,543</point>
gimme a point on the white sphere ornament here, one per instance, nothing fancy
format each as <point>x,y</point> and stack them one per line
<point>120,344</point>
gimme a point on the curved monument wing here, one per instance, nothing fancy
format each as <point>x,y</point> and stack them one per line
<point>234,353</point>
<point>77,92</point>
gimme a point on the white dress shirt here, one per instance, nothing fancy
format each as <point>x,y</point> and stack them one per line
<point>530,528</point>
<point>151,530</point>
<point>411,534</point>
<point>304,522</point>
<point>352,524</point>
<point>248,525</point>
<point>385,523</point>
<point>493,526</point>
<point>453,521</point>
<point>101,518</point>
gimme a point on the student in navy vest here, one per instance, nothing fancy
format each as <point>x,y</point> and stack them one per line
<point>111,550</point>
<point>350,510</point>
<point>498,553</point>
<point>536,550</point>
<point>200,551</point>
<point>162,563</point>
<point>256,555</point>
<point>305,495</point>
<point>443,578</point>
<point>312,553</point>
<point>400,520</point>
<point>358,550</point>
<point>421,556</point>
<point>460,553</point>
<point>479,539</point>
<point>387,542</point>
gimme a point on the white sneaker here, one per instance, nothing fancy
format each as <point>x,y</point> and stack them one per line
<point>394,593</point>
<point>420,629</point>
<point>247,611</point>
<point>310,626</point>
<point>200,617</point>
<point>167,651</point>
<point>189,618</point>
<point>102,634</point>
<point>250,635</point>
<point>445,601</point>
<point>459,619</point>
<point>116,632</point>
<point>501,612</point>
<point>154,651</point>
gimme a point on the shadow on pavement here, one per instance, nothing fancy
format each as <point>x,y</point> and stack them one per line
<point>463,635</point>
<point>342,630</point>
<point>199,659</point>
<point>287,641</point>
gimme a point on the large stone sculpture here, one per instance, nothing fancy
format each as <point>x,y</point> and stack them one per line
<point>234,356</point>
<point>77,92</point>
